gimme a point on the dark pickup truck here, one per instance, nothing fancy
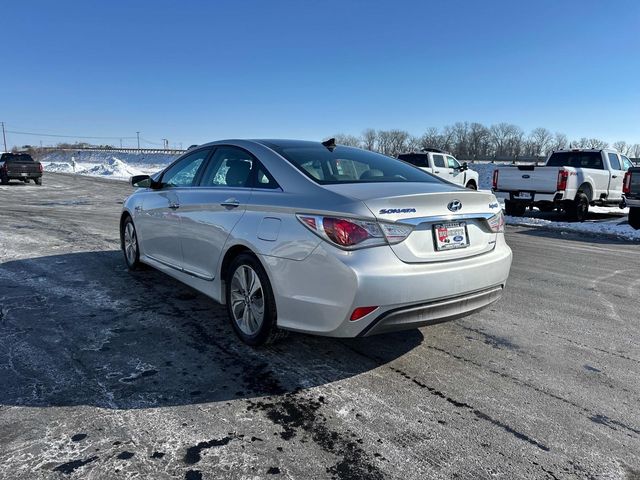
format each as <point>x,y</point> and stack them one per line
<point>631,191</point>
<point>19,166</point>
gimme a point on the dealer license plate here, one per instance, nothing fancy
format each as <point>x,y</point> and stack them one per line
<point>448,236</point>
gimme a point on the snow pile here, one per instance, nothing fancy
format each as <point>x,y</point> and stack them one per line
<point>485,172</point>
<point>58,167</point>
<point>114,168</point>
<point>84,156</point>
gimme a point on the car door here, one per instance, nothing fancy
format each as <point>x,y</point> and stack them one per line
<point>456,175</point>
<point>440,166</point>
<point>209,211</point>
<point>158,222</point>
<point>616,177</point>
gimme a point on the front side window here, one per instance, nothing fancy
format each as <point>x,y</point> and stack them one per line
<point>438,161</point>
<point>452,162</point>
<point>614,161</point>
<point>349,165</point>
<point>184,172</point>
<point>626,163</point>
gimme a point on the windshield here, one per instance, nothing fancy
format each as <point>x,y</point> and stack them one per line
<point>576,159</point>
<point>350,165</point>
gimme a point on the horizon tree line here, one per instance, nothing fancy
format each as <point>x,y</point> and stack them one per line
<point>469,141</point>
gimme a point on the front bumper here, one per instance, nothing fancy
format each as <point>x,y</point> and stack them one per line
<point>317,295</point>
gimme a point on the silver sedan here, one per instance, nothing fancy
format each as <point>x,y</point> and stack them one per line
<point>317,238</point>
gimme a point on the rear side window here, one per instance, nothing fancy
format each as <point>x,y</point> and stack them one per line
<point>229,167</point>
<point>576,159</point>
<point>614,161</point>
<point>438,161</point>
<point>415,159</point>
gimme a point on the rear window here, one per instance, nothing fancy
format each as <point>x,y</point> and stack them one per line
<point>576,159</point>
<point>16,157</point>
<point>350,165</point>
<point>417,159</point>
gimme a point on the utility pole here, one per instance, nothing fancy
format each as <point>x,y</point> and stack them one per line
<point>120,143</point>
<point>138,133</point>
<point>4,137</point>
<point>165,143</point>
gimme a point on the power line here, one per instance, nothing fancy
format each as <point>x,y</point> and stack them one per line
<point>65,136</point>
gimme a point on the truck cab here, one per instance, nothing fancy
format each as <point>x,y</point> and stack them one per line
<point>443,165</point>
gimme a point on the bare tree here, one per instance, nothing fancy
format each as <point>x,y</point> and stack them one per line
<point>635,150</point>
<point>369,138</point>
<point>347,140</point>
<point>559,141</point>
<point>596,143</point>
<point>430,138</point>
<point>479,138</point>
<point>540,141</point>
<point>622,147</point>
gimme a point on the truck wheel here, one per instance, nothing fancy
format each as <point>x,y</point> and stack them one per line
<point>250,302</point>
<point>634,217</point>
<point>472,186</point>
<point>514,209</point>
<point>38,181</point>
<point>4,180</point>
<point>578,210</point>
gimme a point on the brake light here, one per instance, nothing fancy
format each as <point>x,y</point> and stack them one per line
<point>563,175</point>
<point>495,179</point>
<point>360,312</point>
<point>626,185</point>
<point>351,233</point>
<point>496,223</point>
<point>40,169</point>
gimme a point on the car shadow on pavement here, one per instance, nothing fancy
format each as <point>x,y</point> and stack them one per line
<point>79,329</point>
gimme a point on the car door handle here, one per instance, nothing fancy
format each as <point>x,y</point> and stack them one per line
<point>614,176</point>
<point>174,206</point>
<point>436,171</point>
<point>230,203</point>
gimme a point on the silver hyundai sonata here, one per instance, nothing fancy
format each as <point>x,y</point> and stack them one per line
<point>317,238</point>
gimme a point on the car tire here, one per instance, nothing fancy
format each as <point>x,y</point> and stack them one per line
<point>471,186</point>
<point>38,181</point>
<point>4,180</point>
<point>514,209</point>
<point>634,217</point>
<point>130,246</point>
<point>251,305</point>
<point>578,209</point>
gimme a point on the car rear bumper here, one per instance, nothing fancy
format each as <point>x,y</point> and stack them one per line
<point>318,295</point>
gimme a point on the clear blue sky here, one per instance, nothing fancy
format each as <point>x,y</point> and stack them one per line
<point>200,71</point>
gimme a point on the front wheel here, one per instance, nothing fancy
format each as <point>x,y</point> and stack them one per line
<point>130,246</point>
<point>634,217</point>
<point>251,305</point>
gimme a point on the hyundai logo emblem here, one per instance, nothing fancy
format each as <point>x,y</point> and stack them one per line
<point>455,205</point>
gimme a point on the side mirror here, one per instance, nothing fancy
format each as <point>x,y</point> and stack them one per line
<point>143,181</point>
<point>464,167</point>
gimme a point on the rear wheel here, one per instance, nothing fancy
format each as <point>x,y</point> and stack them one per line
<point>634,217</point>
<point>4,180</point>
<point>130,245</point>
<point>38,180</point>
<point>472,186</point>
<point>578,209</point>
<point>514,209</point>
<point>251,305</point>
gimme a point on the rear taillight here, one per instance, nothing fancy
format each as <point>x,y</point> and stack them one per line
<point>351,233</point>
<point>626,185</point>
<point>40,169</point>
<point>495,179</point>
<point>3,167</point>
<point>563,175</point>
<point>496,223</point>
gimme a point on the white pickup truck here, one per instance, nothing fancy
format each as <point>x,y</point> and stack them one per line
<point>443,165</point>
<point>571,180</point>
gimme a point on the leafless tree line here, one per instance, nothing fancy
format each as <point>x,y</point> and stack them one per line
<point>476,141</point>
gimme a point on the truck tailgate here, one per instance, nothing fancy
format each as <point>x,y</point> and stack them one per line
<point>18,168</point>
<point>528,179</point>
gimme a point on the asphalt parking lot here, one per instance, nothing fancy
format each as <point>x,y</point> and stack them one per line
<point>108,374</point>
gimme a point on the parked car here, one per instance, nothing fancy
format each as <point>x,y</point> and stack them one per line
<point>631,189</point>
<point>317,238</point>
<point>19,166</point>
<point>443,165</point>
<point>571,180</point>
